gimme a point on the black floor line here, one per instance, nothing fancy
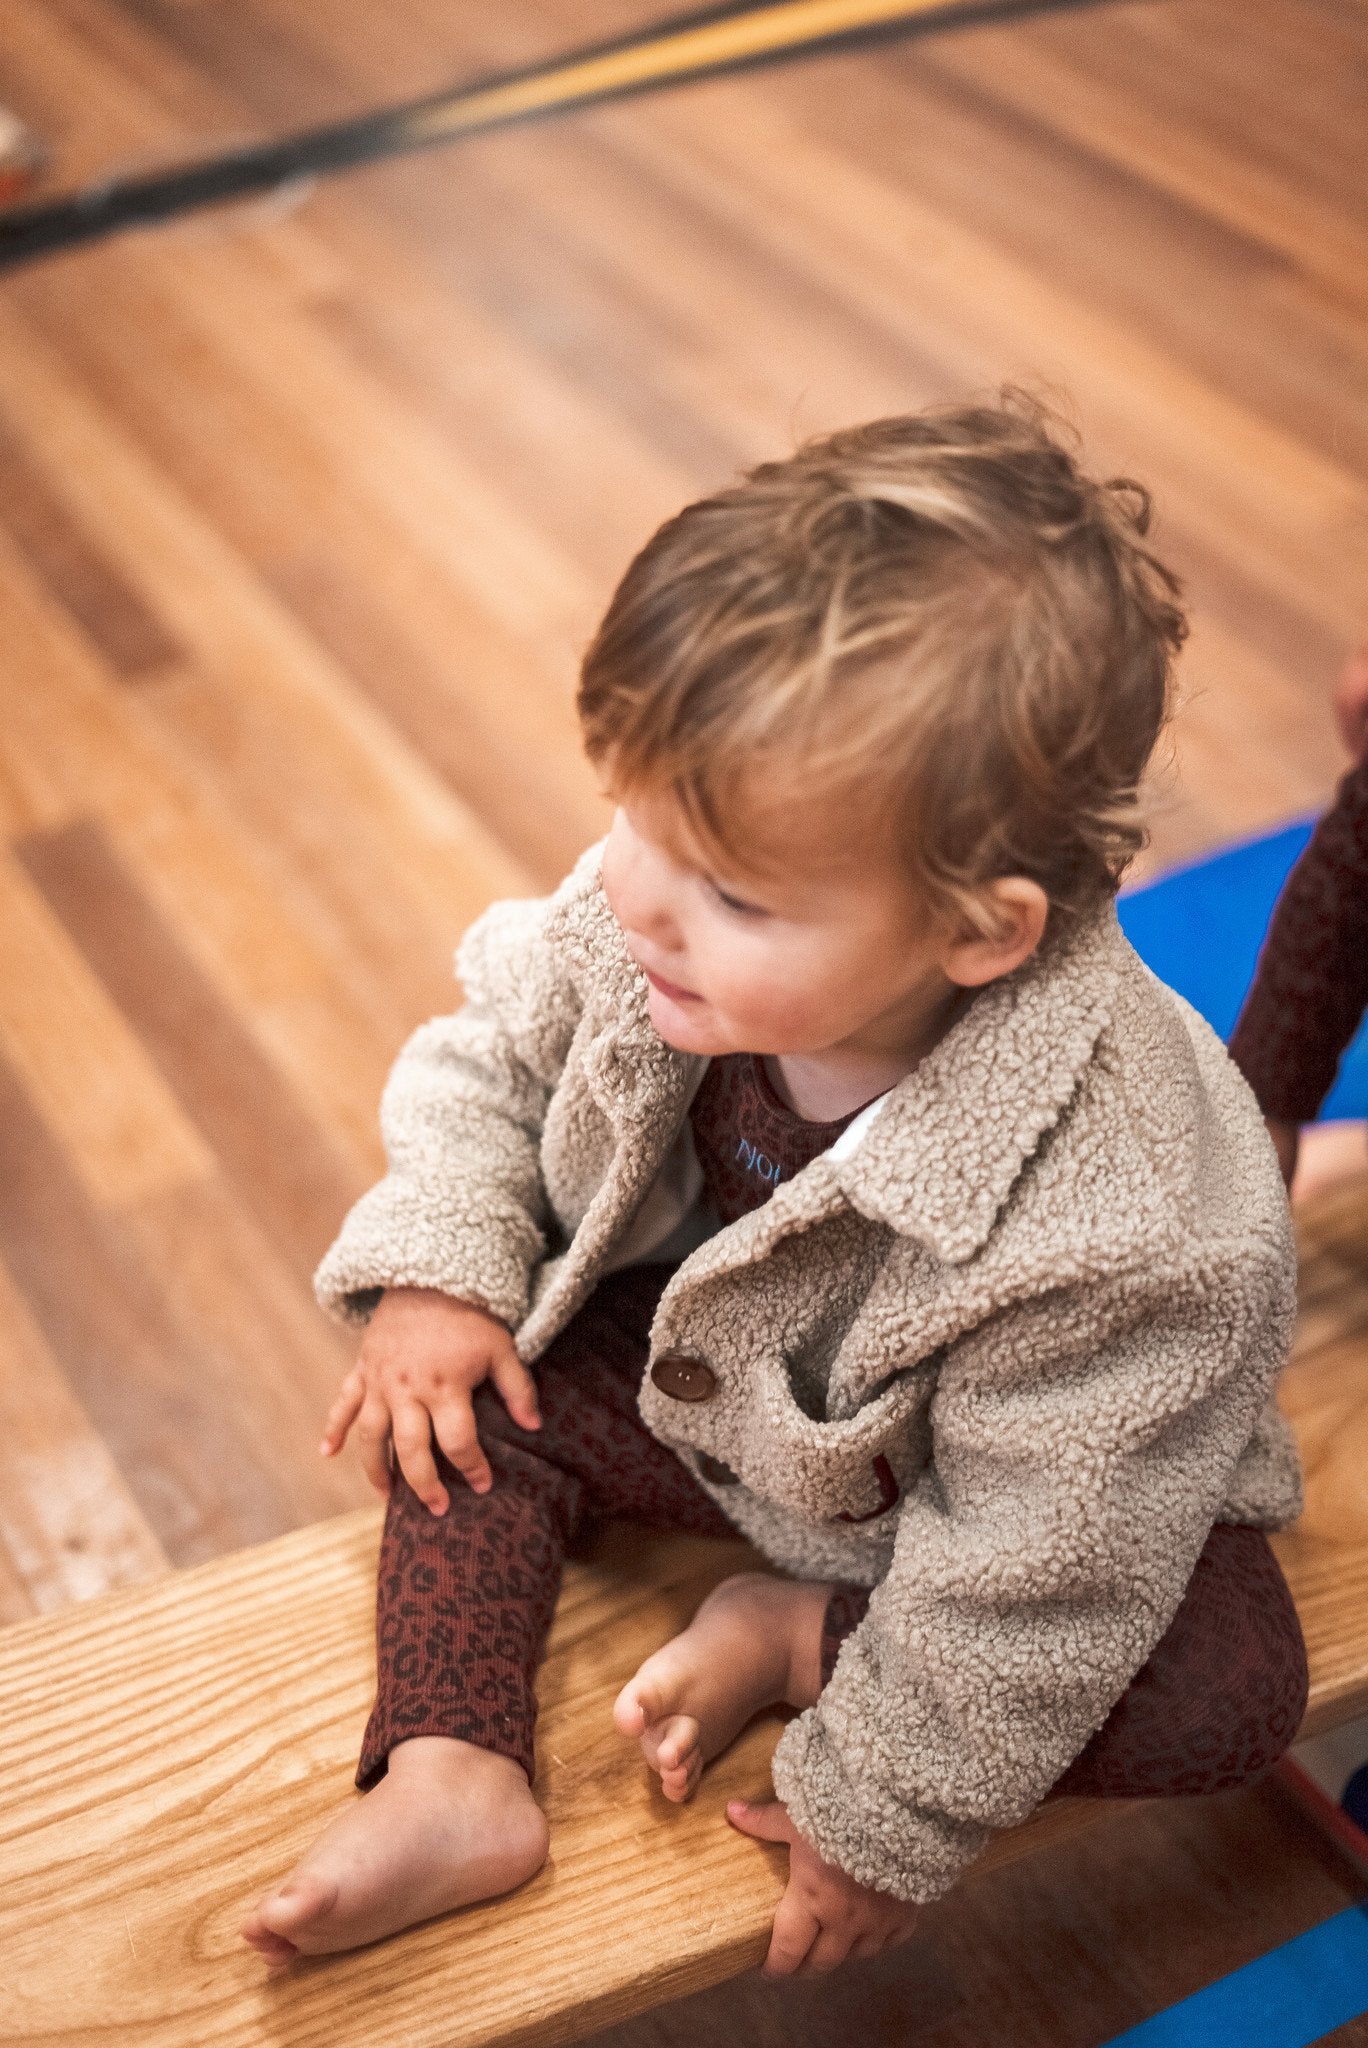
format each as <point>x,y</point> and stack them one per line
<point>685,48</point>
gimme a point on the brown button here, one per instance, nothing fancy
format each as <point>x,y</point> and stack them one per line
<point>684,1378</point>
<point>713,1469</point>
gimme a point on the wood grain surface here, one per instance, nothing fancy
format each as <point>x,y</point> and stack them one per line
<point>171,1750</point>
<point>306,512</point>
<point>1325,1392</point>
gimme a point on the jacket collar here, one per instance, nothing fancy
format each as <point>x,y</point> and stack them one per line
<point>633,1075</point>
<point>944,1151</point>
<point>941,1156</point>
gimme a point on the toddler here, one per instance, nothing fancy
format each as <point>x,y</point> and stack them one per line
<point>819,1162</point>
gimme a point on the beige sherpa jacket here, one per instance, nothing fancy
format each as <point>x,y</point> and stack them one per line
<point>1047,1282</point>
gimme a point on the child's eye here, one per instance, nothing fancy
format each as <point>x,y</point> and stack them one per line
<point>737,903</point>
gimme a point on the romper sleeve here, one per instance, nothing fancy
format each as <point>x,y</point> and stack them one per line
<point>1082,1450</point>
<point>1311,987</point>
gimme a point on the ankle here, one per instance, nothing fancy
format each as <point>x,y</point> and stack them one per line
<point>439,1761</point>
<point>807,1622</point>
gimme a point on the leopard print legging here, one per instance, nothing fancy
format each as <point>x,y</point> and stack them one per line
<point>465,1599</point>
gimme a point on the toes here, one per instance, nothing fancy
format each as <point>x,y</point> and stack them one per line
<point>674,1749</point>
<point>274,1947</point>
<point>641,1702</point>
<point>296,1907</point>
<point>669,1744</point>
<point>629,1716</point>
<point>681,1782</point>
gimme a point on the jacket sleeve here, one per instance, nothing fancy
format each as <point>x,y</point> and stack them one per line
<point>462,1207</point>
<point>1082,1448</point>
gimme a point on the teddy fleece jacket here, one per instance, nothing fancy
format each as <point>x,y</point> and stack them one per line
<point>1046,1282</point>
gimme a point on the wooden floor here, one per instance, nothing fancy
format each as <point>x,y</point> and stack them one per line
<point>304,517</point>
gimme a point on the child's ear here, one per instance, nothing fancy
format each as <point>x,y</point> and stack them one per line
<point>1019,910</point>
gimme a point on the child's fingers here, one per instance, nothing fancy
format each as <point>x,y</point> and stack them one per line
<point>412,1433</point>
<point>454,1423</point>
<point>767,1820</point>
<point>904,1928</point>
<point>795,1931</point>
<point>517,1388</point>
<point>372,1435</point>
<point>343,1412</point>
<point>828,1952</point>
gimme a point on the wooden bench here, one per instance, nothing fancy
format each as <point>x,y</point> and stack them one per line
<point>167,1752</point>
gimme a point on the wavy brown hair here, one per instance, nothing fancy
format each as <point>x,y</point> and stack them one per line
<point>937,621</point>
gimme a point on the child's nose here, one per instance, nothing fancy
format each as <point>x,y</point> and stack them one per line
<point>654,919</point>
<point>645,898</point>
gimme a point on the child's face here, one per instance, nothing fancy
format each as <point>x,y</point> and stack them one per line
<point>830,954</point>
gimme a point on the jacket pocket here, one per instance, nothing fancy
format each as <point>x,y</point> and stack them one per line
<point>890,1493</point>
<point>852,1471</point>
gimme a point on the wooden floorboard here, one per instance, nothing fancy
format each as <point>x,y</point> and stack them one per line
<point>287,1173</point>
<point>129,637</point>
<point>306,514</point>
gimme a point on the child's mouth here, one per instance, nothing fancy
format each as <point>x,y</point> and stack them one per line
<point>670,988</point>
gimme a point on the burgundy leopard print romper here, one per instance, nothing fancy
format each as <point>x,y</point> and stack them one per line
<point>465,1599</point>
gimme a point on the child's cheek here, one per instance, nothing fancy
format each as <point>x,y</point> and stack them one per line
<point>766,1003</point>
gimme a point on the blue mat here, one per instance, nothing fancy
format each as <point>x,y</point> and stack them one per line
<point>1288,1999</point>
<point>1201,927</point>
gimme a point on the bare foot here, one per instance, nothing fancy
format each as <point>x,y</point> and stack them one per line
<point>448,1824</point>
<point>754,1642</point>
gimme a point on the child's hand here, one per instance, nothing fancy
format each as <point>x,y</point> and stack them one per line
<point>824,1917</point>
<point>423,1356</point>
